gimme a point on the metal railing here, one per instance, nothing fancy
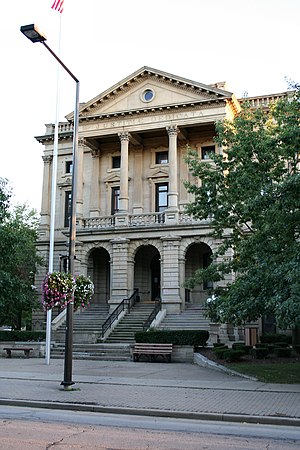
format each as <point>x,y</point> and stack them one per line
<point>156,309</point>
<point>126,304</point>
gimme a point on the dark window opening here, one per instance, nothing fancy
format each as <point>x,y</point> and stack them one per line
<point>116,162</point>
<point>68,207</point>
<point>207,152</point>
<point>69,166</point>
<point>115,200</point>
<point>161,158</point>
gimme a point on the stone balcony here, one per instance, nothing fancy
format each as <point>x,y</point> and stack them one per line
<point>139,220</point>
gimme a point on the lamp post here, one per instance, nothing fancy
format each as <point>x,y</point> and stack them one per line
<point>34,35</point>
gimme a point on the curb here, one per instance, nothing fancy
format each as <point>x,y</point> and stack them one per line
<point>220,417</point>
<point>205,362</point>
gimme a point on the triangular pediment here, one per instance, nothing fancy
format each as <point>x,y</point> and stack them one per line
<point>165,90</point>
<point>160,173</point>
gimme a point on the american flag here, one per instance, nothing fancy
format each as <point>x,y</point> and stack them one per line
<point>58,5</point>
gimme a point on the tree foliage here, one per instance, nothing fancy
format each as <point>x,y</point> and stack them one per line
<point>251,195</point>
<point>18,261</point>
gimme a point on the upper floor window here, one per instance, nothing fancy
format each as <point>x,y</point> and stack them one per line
<point>68,206</point>
<point>207,152</point>
<point>161,158</point>
<point>69,166</point>
<point>161,196</point>
<point>116,162</point>
<point>115,199</point>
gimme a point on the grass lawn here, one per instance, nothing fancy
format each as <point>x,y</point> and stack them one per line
<point>279,372</point>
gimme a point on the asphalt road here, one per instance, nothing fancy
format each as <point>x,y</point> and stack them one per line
<point>35,429</point>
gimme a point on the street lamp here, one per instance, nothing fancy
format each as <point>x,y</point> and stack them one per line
<point>34,35</point>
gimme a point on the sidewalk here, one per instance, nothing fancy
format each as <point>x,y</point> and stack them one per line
<point>157,389</point>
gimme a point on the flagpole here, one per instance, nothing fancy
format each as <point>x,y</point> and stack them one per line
<point>53,199</point>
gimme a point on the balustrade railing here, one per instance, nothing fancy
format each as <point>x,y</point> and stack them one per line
<point>156,309</point>
<point>126,304</point>
<point>138,220</point>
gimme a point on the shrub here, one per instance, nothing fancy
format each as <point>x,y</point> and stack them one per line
<point>233,355</point>
<point>296,347</point>
<point>259,353</point>
<point>218,344</point>
<point>240,346</point>
<point>271,338</point>
<point>281,344</point>
<point>22,335</point>
<point>219,351</point>
<point>283,352</point>
<point>196,338</point>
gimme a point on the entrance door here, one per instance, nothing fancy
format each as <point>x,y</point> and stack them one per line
<point>147,272</point>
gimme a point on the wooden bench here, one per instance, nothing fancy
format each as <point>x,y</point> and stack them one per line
<point>152,351</point>
<point>26,350</point>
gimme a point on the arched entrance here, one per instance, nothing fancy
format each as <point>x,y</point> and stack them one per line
<point>99,272</point>
<point>147,272</point>
<point>198,256</point>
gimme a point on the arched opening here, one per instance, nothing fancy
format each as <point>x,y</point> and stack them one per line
<point>197,256</point>
<point>99,272</point>
<point>147,273</point>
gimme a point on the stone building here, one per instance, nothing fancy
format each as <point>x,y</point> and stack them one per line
<point>132,229</point>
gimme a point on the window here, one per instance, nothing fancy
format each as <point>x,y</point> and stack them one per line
<point>161,158</point>
<point>69,167</point>
<point>161,196</point>
<point>115,199</point>
<point>68,206</point>
<point>116,162</point>
<point>148,95</point>
<point>207,152</point>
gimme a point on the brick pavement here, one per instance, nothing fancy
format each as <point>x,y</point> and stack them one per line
<point>178,390</point>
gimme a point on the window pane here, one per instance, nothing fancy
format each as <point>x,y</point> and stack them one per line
<point>116,162</point>
<point>161,158</point>
<point>206,152</point>
<point>115,197</point>
<point>69,166</point>
<point>161,197</point>
<point>68,200</point>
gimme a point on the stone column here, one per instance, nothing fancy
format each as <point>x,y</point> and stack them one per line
<point>79,187</point>
<point>170,282</point>
<point>173,184</point>
<point>46,192</point>
<point>171,214</point>
<point>95,186</point>
<point>124,138</point>
<point>119,271</point>
<point>137,181</point>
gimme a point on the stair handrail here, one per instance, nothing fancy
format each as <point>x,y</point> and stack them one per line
<point>126,303</point>
<point>156,309</point>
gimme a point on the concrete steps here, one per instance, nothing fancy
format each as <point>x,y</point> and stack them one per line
<point>191,319</point>
<point>86,325</point>
<point>99,352</point>
<point>130,324</point>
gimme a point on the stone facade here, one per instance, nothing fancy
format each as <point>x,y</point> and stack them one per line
<point>132,230</point>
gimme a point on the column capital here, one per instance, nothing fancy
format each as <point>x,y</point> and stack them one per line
<point>172,130</point>
<point>47,159</point>
<point>124,136</point>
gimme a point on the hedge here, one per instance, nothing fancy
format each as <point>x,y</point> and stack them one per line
<point>197,338</point>
<point>282,352</point>
<point>259,353</point>
<point>271,338</point>
<point>233,355</point>
<point>240,346</point>
<point>17,335</point>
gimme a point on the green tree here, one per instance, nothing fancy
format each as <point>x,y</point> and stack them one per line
<point>251,195</point>
<point>18,265</point>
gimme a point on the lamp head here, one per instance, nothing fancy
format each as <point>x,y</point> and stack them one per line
<point>32,32</point>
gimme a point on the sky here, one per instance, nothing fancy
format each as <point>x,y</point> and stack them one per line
<point>253,45</point>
